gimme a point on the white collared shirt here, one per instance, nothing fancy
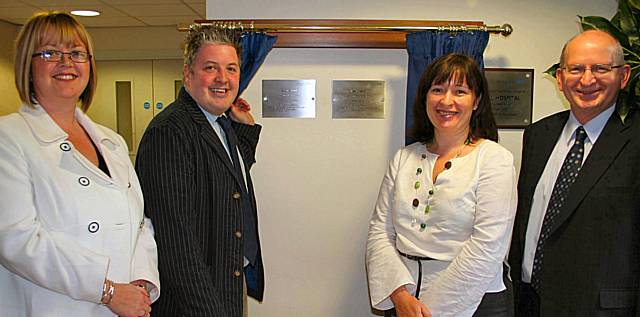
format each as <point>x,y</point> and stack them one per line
<point>212,118</point>
<point>545,185</point>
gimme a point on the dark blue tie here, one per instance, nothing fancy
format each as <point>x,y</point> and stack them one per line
<point>566,178</point>
<point>250,232</point>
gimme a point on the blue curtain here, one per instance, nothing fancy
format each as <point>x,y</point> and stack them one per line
<point>424,47</point>
<point>255,47</point>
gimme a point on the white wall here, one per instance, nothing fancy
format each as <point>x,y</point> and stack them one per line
<point>317,179</point>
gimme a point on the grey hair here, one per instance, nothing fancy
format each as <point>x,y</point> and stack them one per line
<point>618,54</point>
<point>200,34</point>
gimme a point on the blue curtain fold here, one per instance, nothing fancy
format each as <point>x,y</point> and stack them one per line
<point>255,48</point>
<point>424,47</point>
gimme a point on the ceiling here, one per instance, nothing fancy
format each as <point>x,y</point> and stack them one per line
<point>114,13</point>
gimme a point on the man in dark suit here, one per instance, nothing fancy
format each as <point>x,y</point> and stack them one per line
<point>576,241</point>
<point>198,190</point>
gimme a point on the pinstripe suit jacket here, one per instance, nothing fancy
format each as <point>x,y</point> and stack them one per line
<point>191,195</point>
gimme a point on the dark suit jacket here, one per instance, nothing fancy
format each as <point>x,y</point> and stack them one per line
<point>592,258</point>
<point>191,196</point>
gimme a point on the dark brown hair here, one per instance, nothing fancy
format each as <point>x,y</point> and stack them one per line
<point>461,68</point>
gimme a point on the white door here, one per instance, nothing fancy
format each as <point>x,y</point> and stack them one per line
<point>131,93</point>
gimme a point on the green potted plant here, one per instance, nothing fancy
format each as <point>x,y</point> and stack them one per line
<point>624,26</point>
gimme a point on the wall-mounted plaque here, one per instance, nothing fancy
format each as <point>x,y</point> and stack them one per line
<point>289,98</point>
<point>511,92</point>
<point>359,99</point>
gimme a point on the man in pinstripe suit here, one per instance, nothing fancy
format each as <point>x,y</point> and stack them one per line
<point>198,191</point>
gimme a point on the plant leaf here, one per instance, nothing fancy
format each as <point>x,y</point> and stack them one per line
<point>552,70</point>
<point>627,21</point>
<point>600,23</point>
<point>623,110</point>
<point>635,4</point>
<point>616,20</point>
<point>624,104</point>
<point>628,97</point>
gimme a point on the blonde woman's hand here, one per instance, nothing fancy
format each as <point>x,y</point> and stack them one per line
<point>407,305</point>
<point>130,300</point>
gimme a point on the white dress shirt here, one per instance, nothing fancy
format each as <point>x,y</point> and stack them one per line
<point>213,121</point>
<point>544,188</point>
<point>468,228</point>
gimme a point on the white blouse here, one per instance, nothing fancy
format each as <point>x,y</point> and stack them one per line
<point>463,221</point>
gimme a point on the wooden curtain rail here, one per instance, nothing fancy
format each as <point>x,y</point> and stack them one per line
<point>350,33</point>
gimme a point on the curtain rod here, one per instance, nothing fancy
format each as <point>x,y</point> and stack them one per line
<point>505,29</point>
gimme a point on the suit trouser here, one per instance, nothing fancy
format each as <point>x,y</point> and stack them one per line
<point>497,304</point>
<point>528,301</point>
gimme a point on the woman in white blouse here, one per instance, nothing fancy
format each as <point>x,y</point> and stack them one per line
<point>74,240</point>
<point>441,227</point>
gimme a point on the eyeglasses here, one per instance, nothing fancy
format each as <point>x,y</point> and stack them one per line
<point>56,56</point>
<point>598,70</point>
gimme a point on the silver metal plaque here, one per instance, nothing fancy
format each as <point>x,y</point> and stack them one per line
<point>289,98</point>
<point>511,92</point>
<point>359,99</point>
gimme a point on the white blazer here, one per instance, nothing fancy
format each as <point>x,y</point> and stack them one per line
<point>65,225</point>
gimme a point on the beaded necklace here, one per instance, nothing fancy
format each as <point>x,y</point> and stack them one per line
<point>418,184</point>
<point>416,202</point>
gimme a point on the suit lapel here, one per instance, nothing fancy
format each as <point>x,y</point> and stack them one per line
<point>206,131</point>
<point>614,137</point>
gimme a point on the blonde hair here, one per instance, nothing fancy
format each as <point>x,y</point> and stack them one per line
<point>199,35</point>
<point>60,27</point>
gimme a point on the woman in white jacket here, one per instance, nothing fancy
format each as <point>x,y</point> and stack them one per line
<point>74,240</point>
<point>442,223</point>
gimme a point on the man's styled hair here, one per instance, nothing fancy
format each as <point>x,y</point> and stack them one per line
<point>200,34</point>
